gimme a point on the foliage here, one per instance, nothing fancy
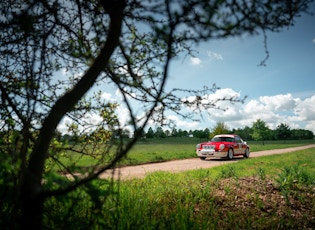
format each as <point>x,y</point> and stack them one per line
<point>150,133</point>
<point>245,133</point>
<point>301,134</point>
<point>125,44</point>
<point>282,132</point>
<point>260,131</point>
<point>219,128</point>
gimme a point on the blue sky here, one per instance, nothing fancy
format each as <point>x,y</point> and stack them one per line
<point>283,91</point>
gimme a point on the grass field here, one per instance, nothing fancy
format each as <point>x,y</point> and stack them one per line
<point>275,192</point>
<point>172,148</point>
<point>158,150</point>
<point>269,192</point>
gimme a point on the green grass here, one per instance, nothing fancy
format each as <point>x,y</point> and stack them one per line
<point>159,150</point>
<point>189,200</point>
<point>269,145</point>
<point>269,192</point>
<point>172,148</point>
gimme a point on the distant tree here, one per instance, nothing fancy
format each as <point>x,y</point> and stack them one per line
<point>150,133</point>
<point>167,133</point>
<point>180,133</point>
<point>174,132</point>
<point>260,131</point>
<point>197,133</point>
<point>124,44</point>
<point>159,132</point>
<point>245,133</point>
<point>185,133</point>
<point>206,133</point>
<point>302,134</point>
<point>190,133</point>
<point>283,132</point>
<point>202,134</point>
<point>219,128</point>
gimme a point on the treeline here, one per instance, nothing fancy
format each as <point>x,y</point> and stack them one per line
<point>258,131</point>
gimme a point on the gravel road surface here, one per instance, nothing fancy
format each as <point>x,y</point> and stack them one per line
<point>140,171</point>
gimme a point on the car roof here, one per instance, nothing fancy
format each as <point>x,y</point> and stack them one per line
<point>226,135</point>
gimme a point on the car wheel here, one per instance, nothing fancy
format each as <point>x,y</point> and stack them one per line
<point>246,154</point>
<point>202,158</point>
<point>230,154</point>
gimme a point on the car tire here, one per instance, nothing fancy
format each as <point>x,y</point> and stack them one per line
<point>246,154</point>
<point>230,154</point>
<point>202,158</point>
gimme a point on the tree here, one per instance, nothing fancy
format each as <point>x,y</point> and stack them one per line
<point>180,133</point>
<point>202,134</point>
<point>301,134</point>
<point>150,133</point>
<point>283,131</point>
<point>159,132</point>
<point>128,44</point>
<point>219,128</point>
<point>206,133</point>
<point>167,133</point>
<point>245,133</point>
<point>174,132</point>
<point>260,131</point>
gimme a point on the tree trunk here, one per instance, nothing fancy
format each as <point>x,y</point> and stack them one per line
<point>31,199</point>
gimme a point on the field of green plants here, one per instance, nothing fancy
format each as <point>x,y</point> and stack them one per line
<point>164,149</point>
<point>274,192</point>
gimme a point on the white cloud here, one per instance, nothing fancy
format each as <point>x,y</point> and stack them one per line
<point>120,97</point>
<point>313,40</point>
<point>62,127</point>
<point>279,102</point>
<point>195,61</point>
<point>227,110</point>
<point>68,73</point>
<point>310,126</point>
<point>214,56</point>
<point>107,96</point>
<point>89,118</point>
<point>306,109</point>
<point>274,110</point>
<point>221,93</point>
<point>123,114</point>
<point>182,123</point>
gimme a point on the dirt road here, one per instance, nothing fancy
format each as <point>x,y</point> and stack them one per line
<point>140,171</point>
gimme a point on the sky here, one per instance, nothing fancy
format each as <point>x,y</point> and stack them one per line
<point>282,91</point>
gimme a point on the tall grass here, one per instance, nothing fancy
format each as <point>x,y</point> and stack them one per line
<point>243,195</point>
<point>186,200</point>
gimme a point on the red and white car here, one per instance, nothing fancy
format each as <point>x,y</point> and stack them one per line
<point>223,146</point>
